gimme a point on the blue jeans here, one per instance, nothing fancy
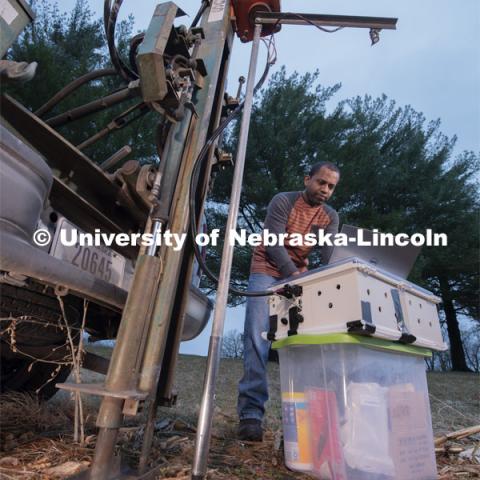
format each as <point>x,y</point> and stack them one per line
<point>253,388</point>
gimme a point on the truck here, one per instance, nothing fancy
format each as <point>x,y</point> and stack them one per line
<point>48,185</point>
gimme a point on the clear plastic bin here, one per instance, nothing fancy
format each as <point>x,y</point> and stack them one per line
<point>355,411</point>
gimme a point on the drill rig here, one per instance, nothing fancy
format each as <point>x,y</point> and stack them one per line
<point>180,73</point>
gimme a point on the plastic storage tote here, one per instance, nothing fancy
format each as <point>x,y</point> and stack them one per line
<point>355,408</point>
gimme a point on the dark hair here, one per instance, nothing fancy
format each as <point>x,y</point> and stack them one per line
<point>315,168</point>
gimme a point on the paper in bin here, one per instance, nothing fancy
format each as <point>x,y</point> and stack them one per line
<point>365,433</point>
<point>326,449</point>
<point>411,437</point>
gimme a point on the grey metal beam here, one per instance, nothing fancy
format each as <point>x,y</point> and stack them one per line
<point>288,18</point>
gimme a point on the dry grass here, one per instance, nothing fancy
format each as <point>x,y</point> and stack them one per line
<point>36,437</point>
<point>454,400</point>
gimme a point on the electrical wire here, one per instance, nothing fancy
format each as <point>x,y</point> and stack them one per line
<point>202,156</point>
<point>271,49</point>
<point>323,29</point>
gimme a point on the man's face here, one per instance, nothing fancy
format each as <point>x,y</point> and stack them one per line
<point>320,186</point>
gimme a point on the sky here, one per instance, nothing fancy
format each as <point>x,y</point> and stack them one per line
<point>431,62</point>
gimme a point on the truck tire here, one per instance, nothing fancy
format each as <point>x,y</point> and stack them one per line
<point>33,339</point>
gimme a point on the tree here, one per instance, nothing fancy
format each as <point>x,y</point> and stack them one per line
<point>232,345</point>
<point>397,175</point>
<point>471,339</point>
<point>67,46</point>
<point>453,272</point>
<point>413,184</point>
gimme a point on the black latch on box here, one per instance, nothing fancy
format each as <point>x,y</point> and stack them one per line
<point>294,318</point>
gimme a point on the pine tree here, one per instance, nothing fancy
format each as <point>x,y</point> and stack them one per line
<point>397,175</point>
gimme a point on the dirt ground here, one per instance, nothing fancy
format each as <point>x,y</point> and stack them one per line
<point>37,443</point>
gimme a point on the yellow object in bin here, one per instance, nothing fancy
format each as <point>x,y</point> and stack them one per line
<point>296,434</point>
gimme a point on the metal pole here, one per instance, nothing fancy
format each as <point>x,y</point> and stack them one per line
<point>206,410</point>
<point>148,435</point>
<point>287,18</point>
<point>212,50</point>
<point>93,107</point>
<point>118,156</point>
<point>156,230</point>
<point>132,338</point>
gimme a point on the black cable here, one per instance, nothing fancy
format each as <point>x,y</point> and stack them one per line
<point>106,15</point>
<point>199,14</point>
<point>323,29</point>
<point>110,14</point>
<point>113,15</point>
<point>107,20</point>
<point>193,185</point>
<point>134,44</point>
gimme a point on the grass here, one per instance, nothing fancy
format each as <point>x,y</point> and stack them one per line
<point>37,438</point>
<point>454,400</point>
<point>454,397</point>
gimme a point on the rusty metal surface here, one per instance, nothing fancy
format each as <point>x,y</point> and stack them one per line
<point>127,355</point>
<point>125,362</point>
<point>67,202</point>
<point>244,16</point>
<point>205,416</point>
<point>116,158</point>
<point>117,123</point>
<point>59,153</point>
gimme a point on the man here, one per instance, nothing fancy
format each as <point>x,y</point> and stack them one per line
<point>290,212</point>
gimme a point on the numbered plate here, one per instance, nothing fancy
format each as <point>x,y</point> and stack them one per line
<point>102,262</point>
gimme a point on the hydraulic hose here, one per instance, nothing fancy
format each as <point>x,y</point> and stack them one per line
<point>199,14</point>
<point>71,87</point>
<point>134,44</point>
<point>110,14</point>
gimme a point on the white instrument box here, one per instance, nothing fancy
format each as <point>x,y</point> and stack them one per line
<point>352,296</point>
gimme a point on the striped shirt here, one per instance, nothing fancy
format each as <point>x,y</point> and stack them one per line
<point>289,213</point>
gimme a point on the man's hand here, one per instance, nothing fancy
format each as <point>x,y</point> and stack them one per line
<point>294,274</point>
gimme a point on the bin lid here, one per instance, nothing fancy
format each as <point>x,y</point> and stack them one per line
<point>364,341</point>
